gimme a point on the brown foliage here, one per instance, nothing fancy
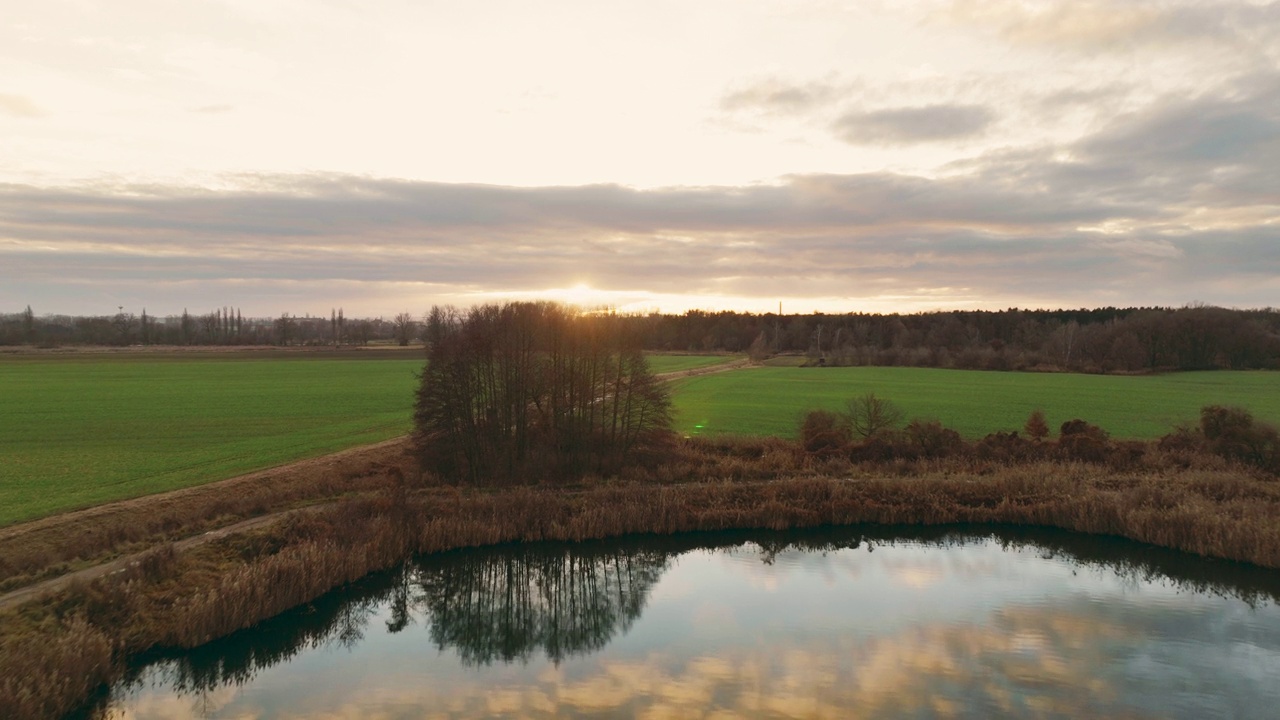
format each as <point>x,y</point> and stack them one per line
<point>1083,442</point>
<point>53,546</point>
<point>53,654</point>
<point>1232,433</point>
<point>824,433</point>
<point>1036,428</point>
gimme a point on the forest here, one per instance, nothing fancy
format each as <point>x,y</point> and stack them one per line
<point>1107,340</point>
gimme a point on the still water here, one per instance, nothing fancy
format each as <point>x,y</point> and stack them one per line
<point>848,622</point>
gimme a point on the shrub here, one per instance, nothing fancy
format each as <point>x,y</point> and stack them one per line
<point>1036,428</point>
<point>1232,433</point>
<point>1083,442</point>
<point>1005,448</point>
<point>823,432</point>
<point>929,439</point>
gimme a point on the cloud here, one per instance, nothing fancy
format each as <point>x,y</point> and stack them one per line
<point>783,97</point>
<point>819,236</point>
<point>19,106</point>
<point>1168,204</point>
<point>907,125</point>
<point>212,109</point>
<point>1092,26</point>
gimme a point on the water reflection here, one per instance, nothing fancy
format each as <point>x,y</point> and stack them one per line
<point>914,629</point>
<point>508,603</point>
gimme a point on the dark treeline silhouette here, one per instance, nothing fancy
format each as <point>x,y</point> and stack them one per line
<point>1109,339</point>
<point>222,326</point>
<point>521,391</point>
<point>1099,340</point>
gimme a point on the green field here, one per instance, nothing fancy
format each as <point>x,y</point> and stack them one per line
<point>770,400</point>
<point>86,428</point>
<point>79,431</point>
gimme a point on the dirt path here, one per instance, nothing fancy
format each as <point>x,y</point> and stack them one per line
<point>32,592</point>
<point>279,473</point>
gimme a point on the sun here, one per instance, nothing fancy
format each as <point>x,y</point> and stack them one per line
<point>582,295</point>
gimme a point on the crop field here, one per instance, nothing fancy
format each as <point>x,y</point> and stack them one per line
<point>81,430</point>
<point>770,400</point>
<point>87,429</point>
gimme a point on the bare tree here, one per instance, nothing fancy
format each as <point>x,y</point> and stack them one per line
<point>869,415</point>
<point>284,328</point>
<point>404,327</point>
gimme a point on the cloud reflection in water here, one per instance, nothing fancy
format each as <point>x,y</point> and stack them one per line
<point>930,626</point>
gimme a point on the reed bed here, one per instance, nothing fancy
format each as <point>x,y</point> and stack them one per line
<point>55,654</point>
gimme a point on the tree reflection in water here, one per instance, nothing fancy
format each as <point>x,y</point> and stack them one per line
<point>507,603</point>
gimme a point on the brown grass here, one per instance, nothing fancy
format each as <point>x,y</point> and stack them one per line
<point>62,543</point>
<point>54,654</point>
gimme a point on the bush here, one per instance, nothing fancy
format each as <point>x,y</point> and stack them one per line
<point>1036,428</point>
<point>1006,448</point>
<point>1083,442</point>
<point>929,439</point>
<point>1232,433</point>
<point>823,432</point>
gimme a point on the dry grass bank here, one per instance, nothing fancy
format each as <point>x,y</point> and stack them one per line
<point>53,546</point>
<point>56,653</point>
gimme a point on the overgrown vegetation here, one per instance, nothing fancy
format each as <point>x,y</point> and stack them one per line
<point>52,654</point>
<point>867,432</point>
<point>63,543</point>
<point>525,391</point>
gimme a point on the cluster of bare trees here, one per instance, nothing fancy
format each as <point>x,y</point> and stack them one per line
<point>523,391</point>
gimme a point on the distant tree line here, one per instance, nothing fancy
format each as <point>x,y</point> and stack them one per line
<point>1197,337</point>
<point>222,326</point>
<point>1100,340</point>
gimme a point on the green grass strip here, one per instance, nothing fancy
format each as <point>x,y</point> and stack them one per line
<point>771,400</point>
<point>80,432</point>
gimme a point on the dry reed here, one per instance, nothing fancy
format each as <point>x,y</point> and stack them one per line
<point>54,654</point>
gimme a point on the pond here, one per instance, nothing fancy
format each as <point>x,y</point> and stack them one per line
<point>968,622</point>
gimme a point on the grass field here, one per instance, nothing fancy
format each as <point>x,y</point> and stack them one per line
<point>770,400</point>
<point>83,430</point>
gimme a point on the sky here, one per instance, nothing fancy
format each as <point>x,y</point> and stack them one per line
<point>387,155</point>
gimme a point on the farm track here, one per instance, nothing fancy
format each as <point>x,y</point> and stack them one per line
<point>88,516</point>
<point>32,592</point>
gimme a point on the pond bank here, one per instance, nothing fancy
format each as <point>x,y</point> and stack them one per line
<point>55,654</point>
